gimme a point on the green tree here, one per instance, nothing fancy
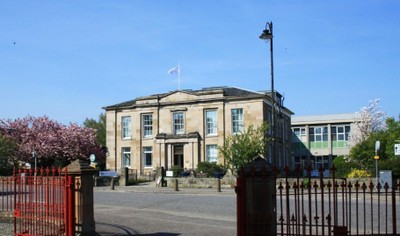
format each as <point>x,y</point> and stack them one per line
<point>392,136</point>
<point>99,126</point>
<point>361,155</point>
<point>8,159</point>
<point>240,149</point>
<point>343,166</point>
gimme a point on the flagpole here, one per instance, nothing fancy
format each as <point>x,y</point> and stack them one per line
<point>179,77</point>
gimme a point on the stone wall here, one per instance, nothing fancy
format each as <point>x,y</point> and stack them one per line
<point>191,182</point>
<point>230,182</point>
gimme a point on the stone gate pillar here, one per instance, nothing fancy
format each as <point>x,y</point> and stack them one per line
<point>84,183</point>
<point>256,199</point>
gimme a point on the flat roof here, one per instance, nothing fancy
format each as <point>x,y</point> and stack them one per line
<point>326,119</point>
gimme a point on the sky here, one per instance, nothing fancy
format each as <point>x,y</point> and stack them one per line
<point>68,59</point>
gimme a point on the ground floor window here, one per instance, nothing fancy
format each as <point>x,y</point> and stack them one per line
<point>148,156</point>
<point>212,153</point>
<point>126,157</point>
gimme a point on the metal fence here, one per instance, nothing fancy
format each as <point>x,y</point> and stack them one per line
<point>39,202</point>
<point>331,206</point>
<point>134,175</point>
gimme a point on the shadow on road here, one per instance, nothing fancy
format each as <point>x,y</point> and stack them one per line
<point>105,229</point>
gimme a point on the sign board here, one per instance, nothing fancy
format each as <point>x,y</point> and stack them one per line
<point>108,173</point>
<point>169,173</point>
<point>397,149</point>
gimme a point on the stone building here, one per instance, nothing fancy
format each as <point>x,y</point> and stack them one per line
<point>185,127</point>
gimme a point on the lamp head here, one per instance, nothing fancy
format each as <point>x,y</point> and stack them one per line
<point>267,33</point>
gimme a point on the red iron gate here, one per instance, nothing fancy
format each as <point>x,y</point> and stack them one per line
<point>42,202</point>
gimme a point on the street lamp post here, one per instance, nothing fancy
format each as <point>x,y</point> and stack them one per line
<point>268,36</point>
<point>376,157</point>
<point>34,155</point>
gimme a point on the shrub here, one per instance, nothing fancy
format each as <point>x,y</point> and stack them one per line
<point>177,170</point>
<point>210,168</point>
<point>135,181</point>
<point>356,173</point>
<point>343,166</point>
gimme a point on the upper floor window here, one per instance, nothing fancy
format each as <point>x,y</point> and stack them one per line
<point>318,134</point>
<point>237,120</point>
<point>212,153</point>
<point>340,132</point>
<point>126,157</point>
<point>299,135</point>
<point>211,122</point>
<point>178,123</point>
<point>148,156</point>
<point>126,127</point>
<point>147,125</point>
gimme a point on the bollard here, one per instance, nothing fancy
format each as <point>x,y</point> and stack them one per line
<point>112,183</point>
<point>219,185</point>
<point>176,185</point>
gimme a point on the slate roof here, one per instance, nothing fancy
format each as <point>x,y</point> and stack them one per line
<point>227,92</point>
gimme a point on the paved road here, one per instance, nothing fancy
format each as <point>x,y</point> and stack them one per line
<point>162,211</point>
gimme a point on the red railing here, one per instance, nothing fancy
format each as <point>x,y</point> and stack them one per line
<point>41,202</point>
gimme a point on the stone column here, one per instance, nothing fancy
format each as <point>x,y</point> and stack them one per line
<point>84,183</point>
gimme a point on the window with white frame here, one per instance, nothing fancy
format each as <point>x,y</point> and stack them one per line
<point>147,125</point>
<point>211,122</point>
<point>212,153</point>
<point>340,132</point>
<point>300,133</point>
<point>148,156</point>
<point>319,134</point>
<point>126,157</point>
<point>126,127</point>
<point>178,123</point>
<point>237,120</point>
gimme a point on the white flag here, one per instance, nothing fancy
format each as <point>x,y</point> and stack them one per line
<point>174,70</point>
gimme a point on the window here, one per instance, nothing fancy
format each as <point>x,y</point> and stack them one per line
<point>178,123</point>
<point>211,122</point>
<point>126,157</point>
<point>126,127</point>
<point>148,157</point>
<point>147,125</point>
<point>319,134</point>
<point>320,161</point>
<point>212,153</point>
<point>340,133</point>
<point>299,134</point>
<point>237,120</point>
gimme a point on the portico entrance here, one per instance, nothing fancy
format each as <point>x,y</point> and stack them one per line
<point>178,155</point>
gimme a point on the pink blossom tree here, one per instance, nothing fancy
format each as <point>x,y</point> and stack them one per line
<point>372,119</point>
<point>51,141</point>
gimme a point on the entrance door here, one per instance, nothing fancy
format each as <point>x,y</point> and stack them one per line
<point>178,155</point>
